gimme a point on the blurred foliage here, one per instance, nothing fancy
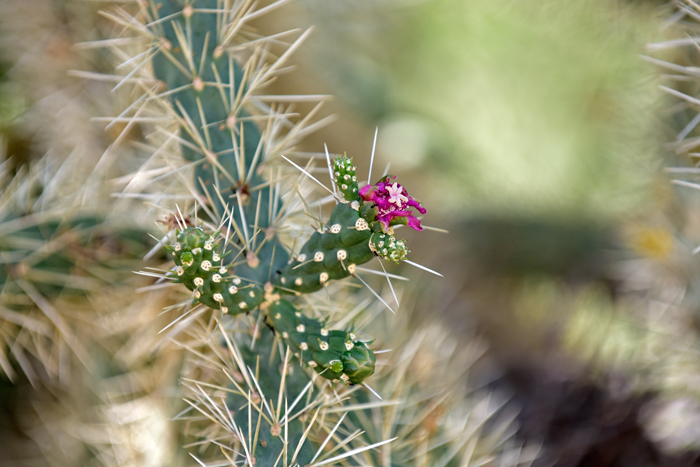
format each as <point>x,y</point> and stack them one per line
<point>535,108</point>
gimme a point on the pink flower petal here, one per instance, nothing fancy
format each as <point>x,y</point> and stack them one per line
<point>392,200</point>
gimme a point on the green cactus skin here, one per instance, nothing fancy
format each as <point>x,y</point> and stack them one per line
<point>335,355</point>
<point>332,254</point>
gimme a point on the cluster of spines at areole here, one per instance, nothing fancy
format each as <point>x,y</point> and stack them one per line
<point>208,93</point>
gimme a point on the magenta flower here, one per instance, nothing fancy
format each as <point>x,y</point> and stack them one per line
<point>392,202</point>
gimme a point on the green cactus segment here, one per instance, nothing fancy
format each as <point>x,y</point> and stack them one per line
<point>270,256</point>
<point>345,178</point>
<point>200,268</point>
<point>332,254</point>
<point>335,355</point>
<point>388,247</point>
<point>270,445</point>
<point>268,450</point>
<point>204,85</point>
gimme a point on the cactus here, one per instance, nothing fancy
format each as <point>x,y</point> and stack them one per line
<point>50,255</point>
<point>333,354</point>
<point>250,321</point>
<point>359,228</point>
<point>206,90</point>
<point>227,148</point>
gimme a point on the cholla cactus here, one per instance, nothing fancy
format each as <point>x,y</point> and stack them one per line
<point>55,252</point>
<point>251,336</point>
<point>360,227</point>
<point>209,96</point>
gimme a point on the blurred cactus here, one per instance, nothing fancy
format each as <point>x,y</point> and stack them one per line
<point>54,247</point>
<point>555,137</point>
<point>75,340</point>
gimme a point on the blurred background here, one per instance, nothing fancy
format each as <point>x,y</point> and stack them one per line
<point>554,140</point>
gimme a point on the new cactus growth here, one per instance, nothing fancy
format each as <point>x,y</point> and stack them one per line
<point>331,254</point>
<point>201,269</point>
<point>360,227</point>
